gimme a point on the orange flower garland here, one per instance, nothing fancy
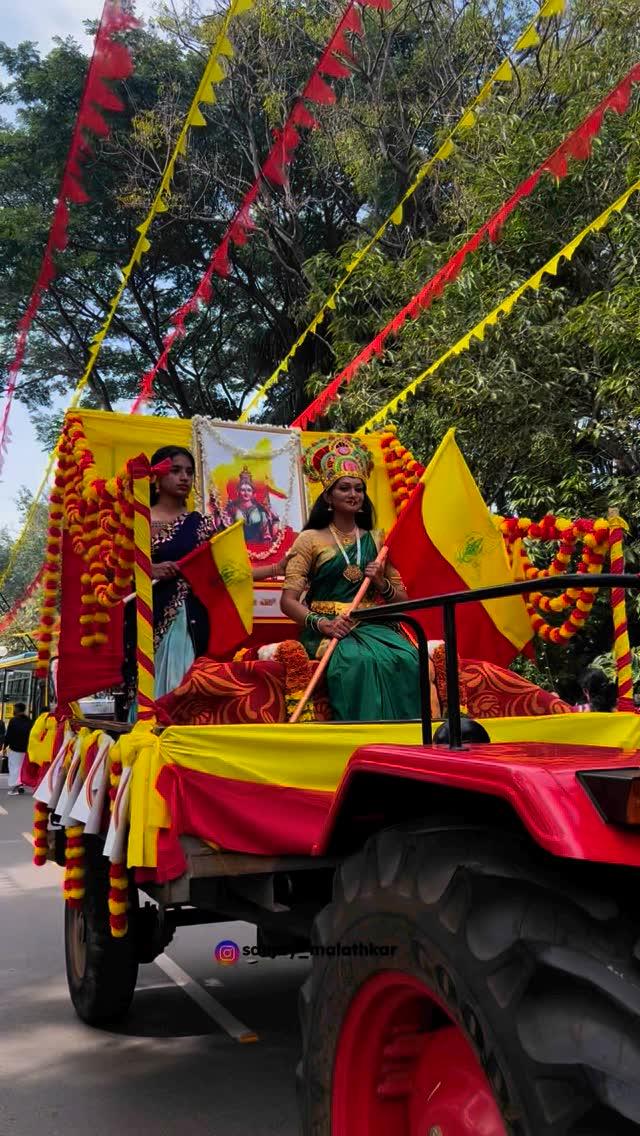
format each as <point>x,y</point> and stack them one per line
<point>99,519</point>
<point>74,870</point>
<point>40,826</point>
<point>298,670</point>
<point>403,471</point>
<point>594,537</point>
<point>118,877</point>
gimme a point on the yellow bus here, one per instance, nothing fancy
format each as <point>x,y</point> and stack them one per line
<point>18,683</point>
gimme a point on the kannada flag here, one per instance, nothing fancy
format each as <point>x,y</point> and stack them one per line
<point>446,541</point>
<point>220,576</point>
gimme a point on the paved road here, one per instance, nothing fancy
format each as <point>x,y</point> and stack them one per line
<point>171,1069</point>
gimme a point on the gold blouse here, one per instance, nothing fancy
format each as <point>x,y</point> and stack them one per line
<point>311,549</point>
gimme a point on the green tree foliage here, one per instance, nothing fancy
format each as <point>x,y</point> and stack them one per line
<point>27,563</point>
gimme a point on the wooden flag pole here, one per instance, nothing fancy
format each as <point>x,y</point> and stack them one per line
<point>324,662</point>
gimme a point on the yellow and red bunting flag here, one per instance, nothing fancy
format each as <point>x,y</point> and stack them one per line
<point>219,574</point>
<point>445,540</point>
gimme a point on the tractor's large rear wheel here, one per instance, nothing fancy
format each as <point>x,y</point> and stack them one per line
<point>101,971</point>
<point>467,988</point>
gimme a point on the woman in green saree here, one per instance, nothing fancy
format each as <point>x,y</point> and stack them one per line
<point>373,672</point>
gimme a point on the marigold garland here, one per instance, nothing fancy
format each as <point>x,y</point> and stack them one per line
<point>298,670</point>
<point>118,900</point>
<point>74,870</point>
<point>118,877</point>
<point>577,602</point>
<point>40,827</point>
<point>99,517</point>
<point>403,470</point>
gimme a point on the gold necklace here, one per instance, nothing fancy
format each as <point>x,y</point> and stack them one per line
<point>353,572</point>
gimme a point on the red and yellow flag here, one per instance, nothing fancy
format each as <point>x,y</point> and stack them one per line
<point>445,541</point>
<point>219,574</point>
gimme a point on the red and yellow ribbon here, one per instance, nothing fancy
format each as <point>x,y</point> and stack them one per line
<point>504,73</point>
<point>503,308</point>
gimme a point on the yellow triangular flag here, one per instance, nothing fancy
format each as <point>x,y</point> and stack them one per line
<point>241,6</point>
<point>552,267</point>
<point>208,95</point>
<point>536,280</point>
<point>225,47</point>
<point>504,74</point>
<point>569,249</point>
<point>143,227</point>
<point>485,92</point>
<point>182,145</point>
<point>445,151</point>
<point>161,206</point>
<point>551,8</point>
<point>216,73</point>
<point>467,121</point>
<point>196,118</point>
<point>528,39</point>
<point>331,302</point>
<point>396,216</point>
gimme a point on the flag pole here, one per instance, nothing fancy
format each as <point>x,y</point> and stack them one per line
<point>324,662</point>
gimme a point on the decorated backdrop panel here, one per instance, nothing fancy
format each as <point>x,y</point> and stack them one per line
<point>252,474</point>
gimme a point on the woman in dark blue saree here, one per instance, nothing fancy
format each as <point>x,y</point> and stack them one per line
<point>180,621</point>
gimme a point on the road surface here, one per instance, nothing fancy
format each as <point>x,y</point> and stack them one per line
<point>174,1068</point>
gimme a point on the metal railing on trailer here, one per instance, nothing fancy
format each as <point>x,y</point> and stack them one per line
<point>401,613</point>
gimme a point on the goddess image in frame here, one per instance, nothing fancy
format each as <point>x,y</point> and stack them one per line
<point>252,475</point>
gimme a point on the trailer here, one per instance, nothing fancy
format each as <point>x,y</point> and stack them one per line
<point>468,903</point>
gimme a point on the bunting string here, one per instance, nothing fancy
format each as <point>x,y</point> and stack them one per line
<point>273,170</point>
<point>504,73</point>
<point>504,307</point>
<point>213,74</point>
<point>110,61</point>
<point>11,615</point>
<point>576,145</point>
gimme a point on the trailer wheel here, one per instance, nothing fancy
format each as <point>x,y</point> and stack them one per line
<point>101,971</point>
<point>463,984</point>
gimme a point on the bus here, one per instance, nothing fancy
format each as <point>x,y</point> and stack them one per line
<point>18,683</point>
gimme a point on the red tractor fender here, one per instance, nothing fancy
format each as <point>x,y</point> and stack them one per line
<point>537,781</point>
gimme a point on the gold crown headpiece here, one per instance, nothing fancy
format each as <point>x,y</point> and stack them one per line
<point>340,456</point>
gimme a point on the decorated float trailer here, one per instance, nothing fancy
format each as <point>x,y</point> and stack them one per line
<point>470,907</point>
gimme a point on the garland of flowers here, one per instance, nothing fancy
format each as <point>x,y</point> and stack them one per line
<point>118,878</point>
<point>99,518</point>
<point>577,602</point>
<point>298,670</point>
<point>403,470</point>
<point>74,865</point>
<point>40,826</point>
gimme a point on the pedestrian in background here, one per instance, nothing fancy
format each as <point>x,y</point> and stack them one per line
<point>600,692</point>
<point>17,741</point>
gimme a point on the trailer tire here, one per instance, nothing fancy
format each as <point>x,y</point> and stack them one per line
<point>508,985</point>
<point>102,971</point>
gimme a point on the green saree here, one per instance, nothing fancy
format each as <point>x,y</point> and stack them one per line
<point>372,675</point>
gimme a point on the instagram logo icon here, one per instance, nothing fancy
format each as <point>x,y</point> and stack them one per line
<point>226,952</point>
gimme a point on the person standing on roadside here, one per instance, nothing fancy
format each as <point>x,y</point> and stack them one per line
<point>16,741</point>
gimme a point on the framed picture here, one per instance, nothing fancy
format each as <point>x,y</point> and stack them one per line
<point>252,474</point>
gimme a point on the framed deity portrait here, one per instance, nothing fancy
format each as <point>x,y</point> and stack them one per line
<point>252,474</point>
